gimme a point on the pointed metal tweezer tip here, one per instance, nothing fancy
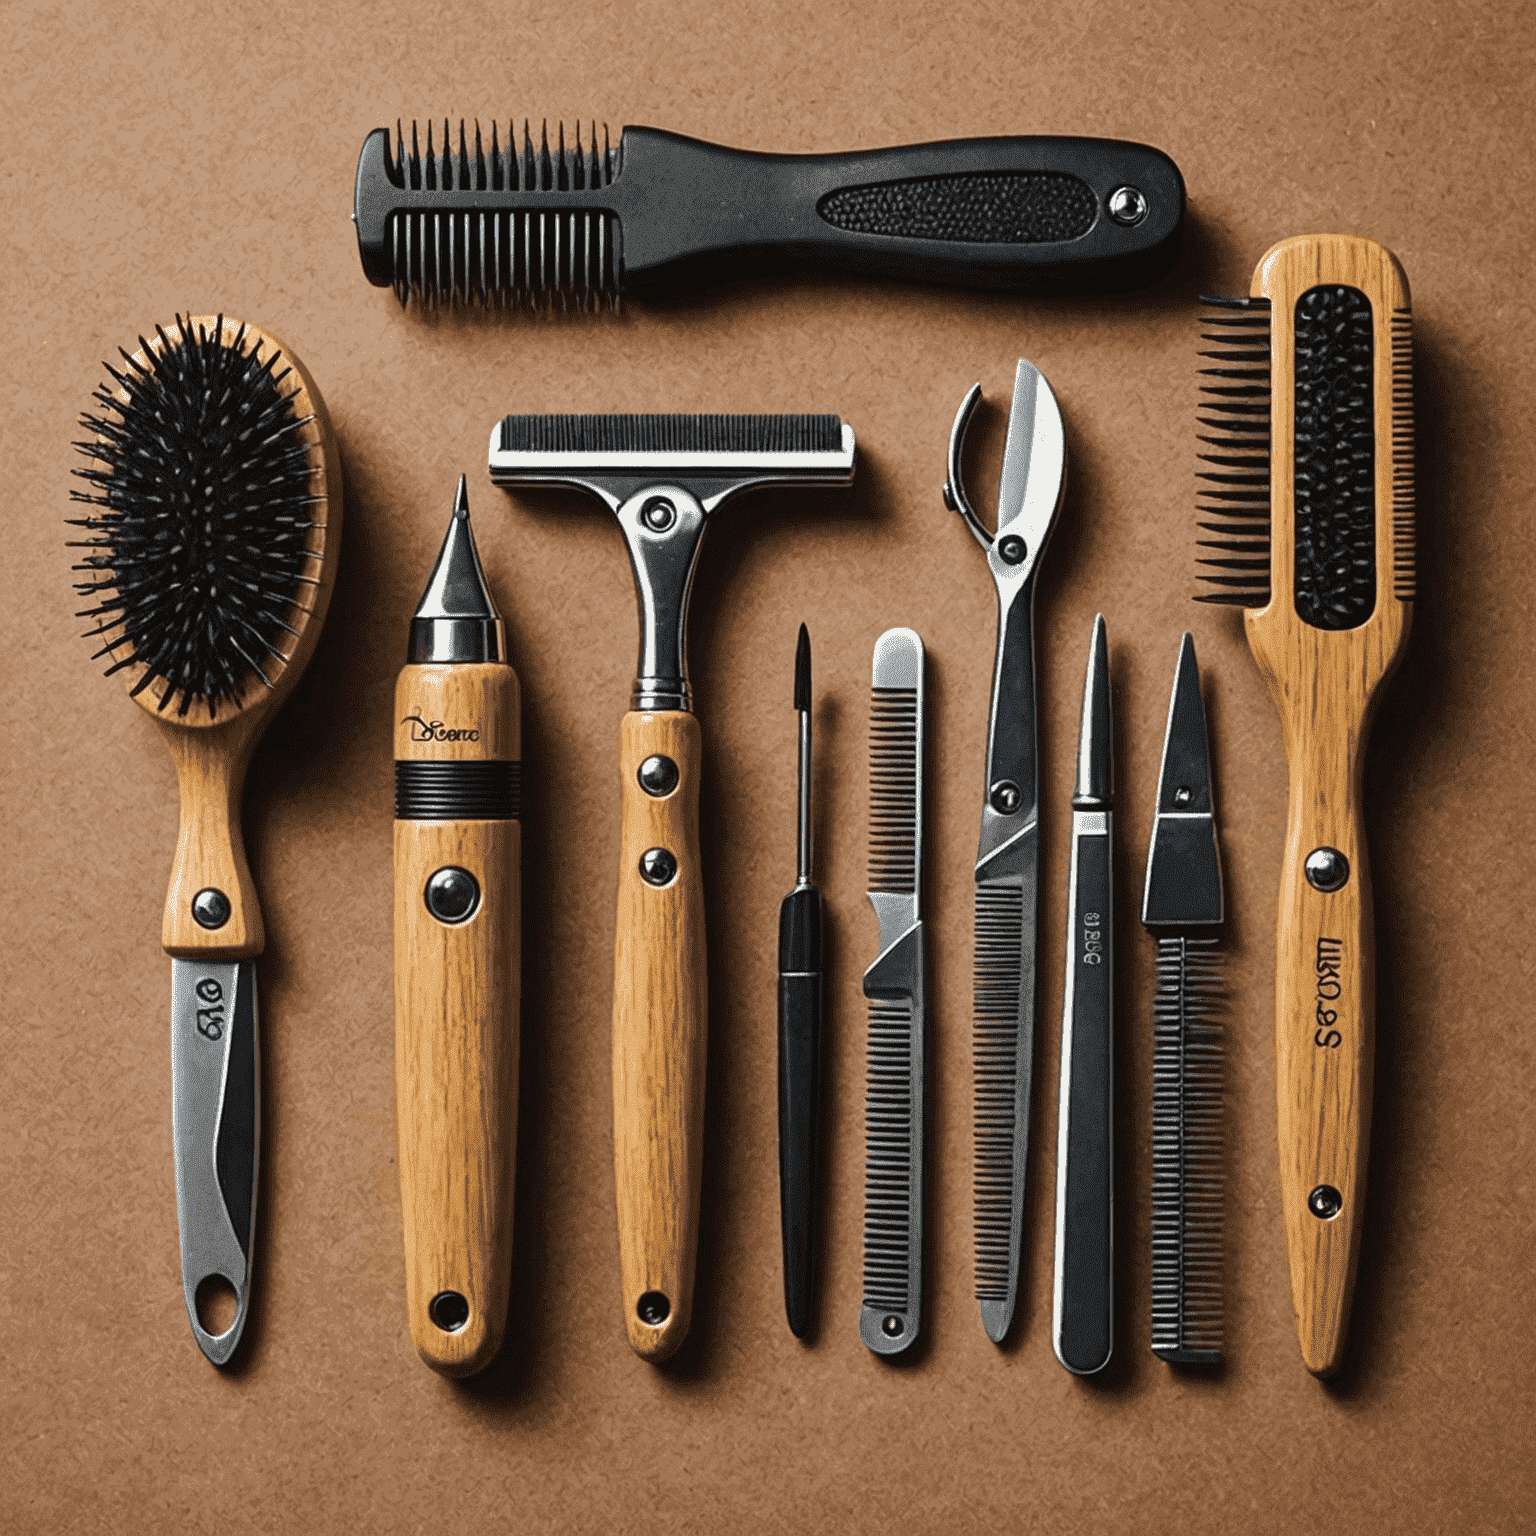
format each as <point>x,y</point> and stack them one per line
<point>803,670</point>
<point>1095,751</point>
<point>995,1318</point>
<point>456,619</point>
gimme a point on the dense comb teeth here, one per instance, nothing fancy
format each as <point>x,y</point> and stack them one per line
<point>1404,551</point>
<point>1187,1183</point>
<point>1234,417</point>
<point>999,941</point>
<point>510,257</point>
<point>893,790</point>
<point>888,1156</point>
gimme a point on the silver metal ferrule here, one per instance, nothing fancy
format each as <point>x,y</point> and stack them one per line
<point>456,621</point>
<point>663,529</point>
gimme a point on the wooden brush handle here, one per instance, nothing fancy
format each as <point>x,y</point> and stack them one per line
<point>659,1032</point>
<point>456,1026</point>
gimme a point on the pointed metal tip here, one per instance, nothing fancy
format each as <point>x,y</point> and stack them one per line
<point>1095,753</point>
<point>461,501</point>
<point>803,670</point>
<point>995,1318</point>
<point>456,619</point>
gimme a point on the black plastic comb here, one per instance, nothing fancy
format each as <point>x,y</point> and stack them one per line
<point>492,223</point>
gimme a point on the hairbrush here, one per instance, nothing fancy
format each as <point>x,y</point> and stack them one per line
<point>665,478</point>
<point>215,496</point>
<point>1309,491</point>
<point>458,841</point>
<point>499,224</point>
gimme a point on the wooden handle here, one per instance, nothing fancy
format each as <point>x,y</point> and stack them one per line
<point>659,1033</point>
<point>456,1028</point>
<point>1325,684</point>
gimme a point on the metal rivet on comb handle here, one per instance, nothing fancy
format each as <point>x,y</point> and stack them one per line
<point>1127,205</point>
<point>1327,869</point>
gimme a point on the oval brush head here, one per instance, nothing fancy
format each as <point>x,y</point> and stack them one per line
<point>210,552</point>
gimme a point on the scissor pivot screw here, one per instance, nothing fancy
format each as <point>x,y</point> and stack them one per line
<point>1011,549</point>
<point>1005,797</point>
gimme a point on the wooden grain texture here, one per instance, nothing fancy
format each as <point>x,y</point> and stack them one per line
<point>1326,685</point>
<point>457,998</point>
<point>212,753</point>
<point>659,1033</point>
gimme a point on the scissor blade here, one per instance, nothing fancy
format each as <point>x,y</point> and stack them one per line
<point>1034,460</point>
<point>216,1128</point>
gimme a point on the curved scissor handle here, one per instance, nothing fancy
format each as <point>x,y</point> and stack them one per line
<point>954,488</point>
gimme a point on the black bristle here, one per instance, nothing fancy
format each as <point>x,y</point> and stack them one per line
<point>1404,553</point>
<point>995,1049</point>
<point>671,434</point>
<point>201,481</point>
<point>803,670</point>
<point>893,749</point>
<point>1334,522</point>
<point>1187,1173</point>
<point>1234,416</point>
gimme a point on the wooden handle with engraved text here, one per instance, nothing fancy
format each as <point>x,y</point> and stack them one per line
<point>659,1027</point>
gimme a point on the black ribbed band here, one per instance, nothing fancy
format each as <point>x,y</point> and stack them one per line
<point>458,790</point>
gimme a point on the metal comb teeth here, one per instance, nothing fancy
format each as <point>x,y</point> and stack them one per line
<point>1187,1183</point>
<point>893,827</point>
<point>999,939</point>
<point>1234,416</point>
<point>504,257</point>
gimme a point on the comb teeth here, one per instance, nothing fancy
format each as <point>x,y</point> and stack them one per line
<point>1187,1183</point>
<point>1234,417</point>
<point>506,258</point>
<point>893,747</point>
<point>1404,544</point>
<point>888,1157</point>
<point>999,962</point>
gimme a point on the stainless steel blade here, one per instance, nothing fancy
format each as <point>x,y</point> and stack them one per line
<point>216,1128</point>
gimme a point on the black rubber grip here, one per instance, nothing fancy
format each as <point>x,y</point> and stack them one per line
<point>458,790</point>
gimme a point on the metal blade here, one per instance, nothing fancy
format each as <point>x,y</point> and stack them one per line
<point>216,1128</point>
<point>1034,477</point>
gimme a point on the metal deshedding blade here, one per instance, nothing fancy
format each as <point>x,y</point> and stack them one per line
<point>1030,493</point>
<point>891,1314</point>
<point>1183,908</point>
<point>216,1129</point>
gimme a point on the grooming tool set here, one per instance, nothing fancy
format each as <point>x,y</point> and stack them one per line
<point>210,553</point>
<point>458,842</point>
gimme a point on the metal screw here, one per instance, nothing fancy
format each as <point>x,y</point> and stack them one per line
<point>1325,1202</point>
<point>452,895</point>
<point>891,1326</point>
<point>653,1309</point>
<point>211,908</point>
<point>1183,795</point>
<point>1005,797</point>
<point>657,867</point>
<point>1127,205</point>
<point>658,514</point>
<point>1327,869</point>
<point>1011,549</point>
<point>658,775</point>
<point>449,1310</point>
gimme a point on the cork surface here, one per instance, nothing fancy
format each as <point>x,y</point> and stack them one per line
<point>166,161</point>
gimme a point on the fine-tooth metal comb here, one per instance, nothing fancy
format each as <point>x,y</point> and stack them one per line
<point>491,223</point>
<point>893,1191</point>
<point>1310,494</point>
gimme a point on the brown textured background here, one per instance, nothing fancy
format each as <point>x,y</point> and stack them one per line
<point>169,158</point>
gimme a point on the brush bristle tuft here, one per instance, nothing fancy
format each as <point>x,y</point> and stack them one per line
<point>1234,417</point>
<point>1404,551</point>
<point>671,434</point>
<point>200,485</point>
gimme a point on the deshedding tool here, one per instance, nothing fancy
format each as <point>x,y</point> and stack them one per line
<point>662,477</point>
<point>458,843</point>
<point>499,225</point>
<point>891,1316</point>
<point>1029,497</point>
<point>1309,489</point>
<point>215,522</point>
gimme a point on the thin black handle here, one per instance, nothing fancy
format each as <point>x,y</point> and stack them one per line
<point>1083,1313</point>
<point>800,1030</point>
